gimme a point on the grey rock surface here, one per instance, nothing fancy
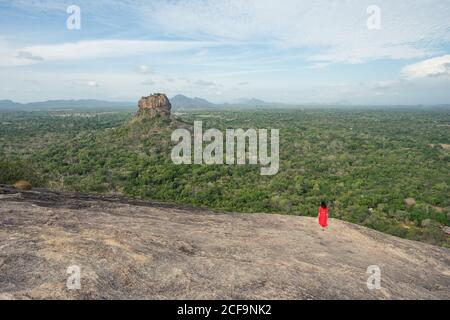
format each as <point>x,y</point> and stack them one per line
<point>132,249</point>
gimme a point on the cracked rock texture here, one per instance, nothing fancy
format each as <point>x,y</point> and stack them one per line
<point>132,249</point>
<point>157,103</point>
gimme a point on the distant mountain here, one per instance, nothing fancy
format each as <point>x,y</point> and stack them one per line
<point>178,101</point>
<point>63,104</point>
<point>9,104</point>
<point>181,101</point>
<point>251,102</point>
<point>87,103</point>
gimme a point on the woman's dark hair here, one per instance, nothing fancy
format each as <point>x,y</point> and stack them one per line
<point>323,204</point>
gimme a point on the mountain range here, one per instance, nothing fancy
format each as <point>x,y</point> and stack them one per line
<point>62,104</point>
<point>182,101</point>
<point>178,101</point>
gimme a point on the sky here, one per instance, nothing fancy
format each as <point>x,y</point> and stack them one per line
<point>376,52</point>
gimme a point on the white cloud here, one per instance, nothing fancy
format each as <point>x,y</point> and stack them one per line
<point>240,47</point>
<point>204,83</point>
<point>92,83</point>
<point>330,31</point>
<point>29,56</point>
<point>384,85</point>
<point>91,49</point>
<point>334,31</point>
<point>360,54</point>
<point>148,82</point>
<point>10,56</point>
<point>434,67</point>
<point>144,69</point>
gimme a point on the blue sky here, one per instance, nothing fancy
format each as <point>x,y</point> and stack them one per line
<point>289,51</point>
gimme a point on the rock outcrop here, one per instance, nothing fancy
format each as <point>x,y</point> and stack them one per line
<point>409,202</point>
<point>135,249</point>
<point>23,185</point>
<point>154,105</point>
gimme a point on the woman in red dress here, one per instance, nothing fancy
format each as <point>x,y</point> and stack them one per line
<point>323,215</point>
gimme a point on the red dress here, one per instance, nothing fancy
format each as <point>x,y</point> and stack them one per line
<point>323,217</point>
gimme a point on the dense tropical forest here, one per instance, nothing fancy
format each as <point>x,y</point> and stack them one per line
<point>364,162</point>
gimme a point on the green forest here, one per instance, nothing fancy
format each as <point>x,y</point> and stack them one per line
<point>363,161</point>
